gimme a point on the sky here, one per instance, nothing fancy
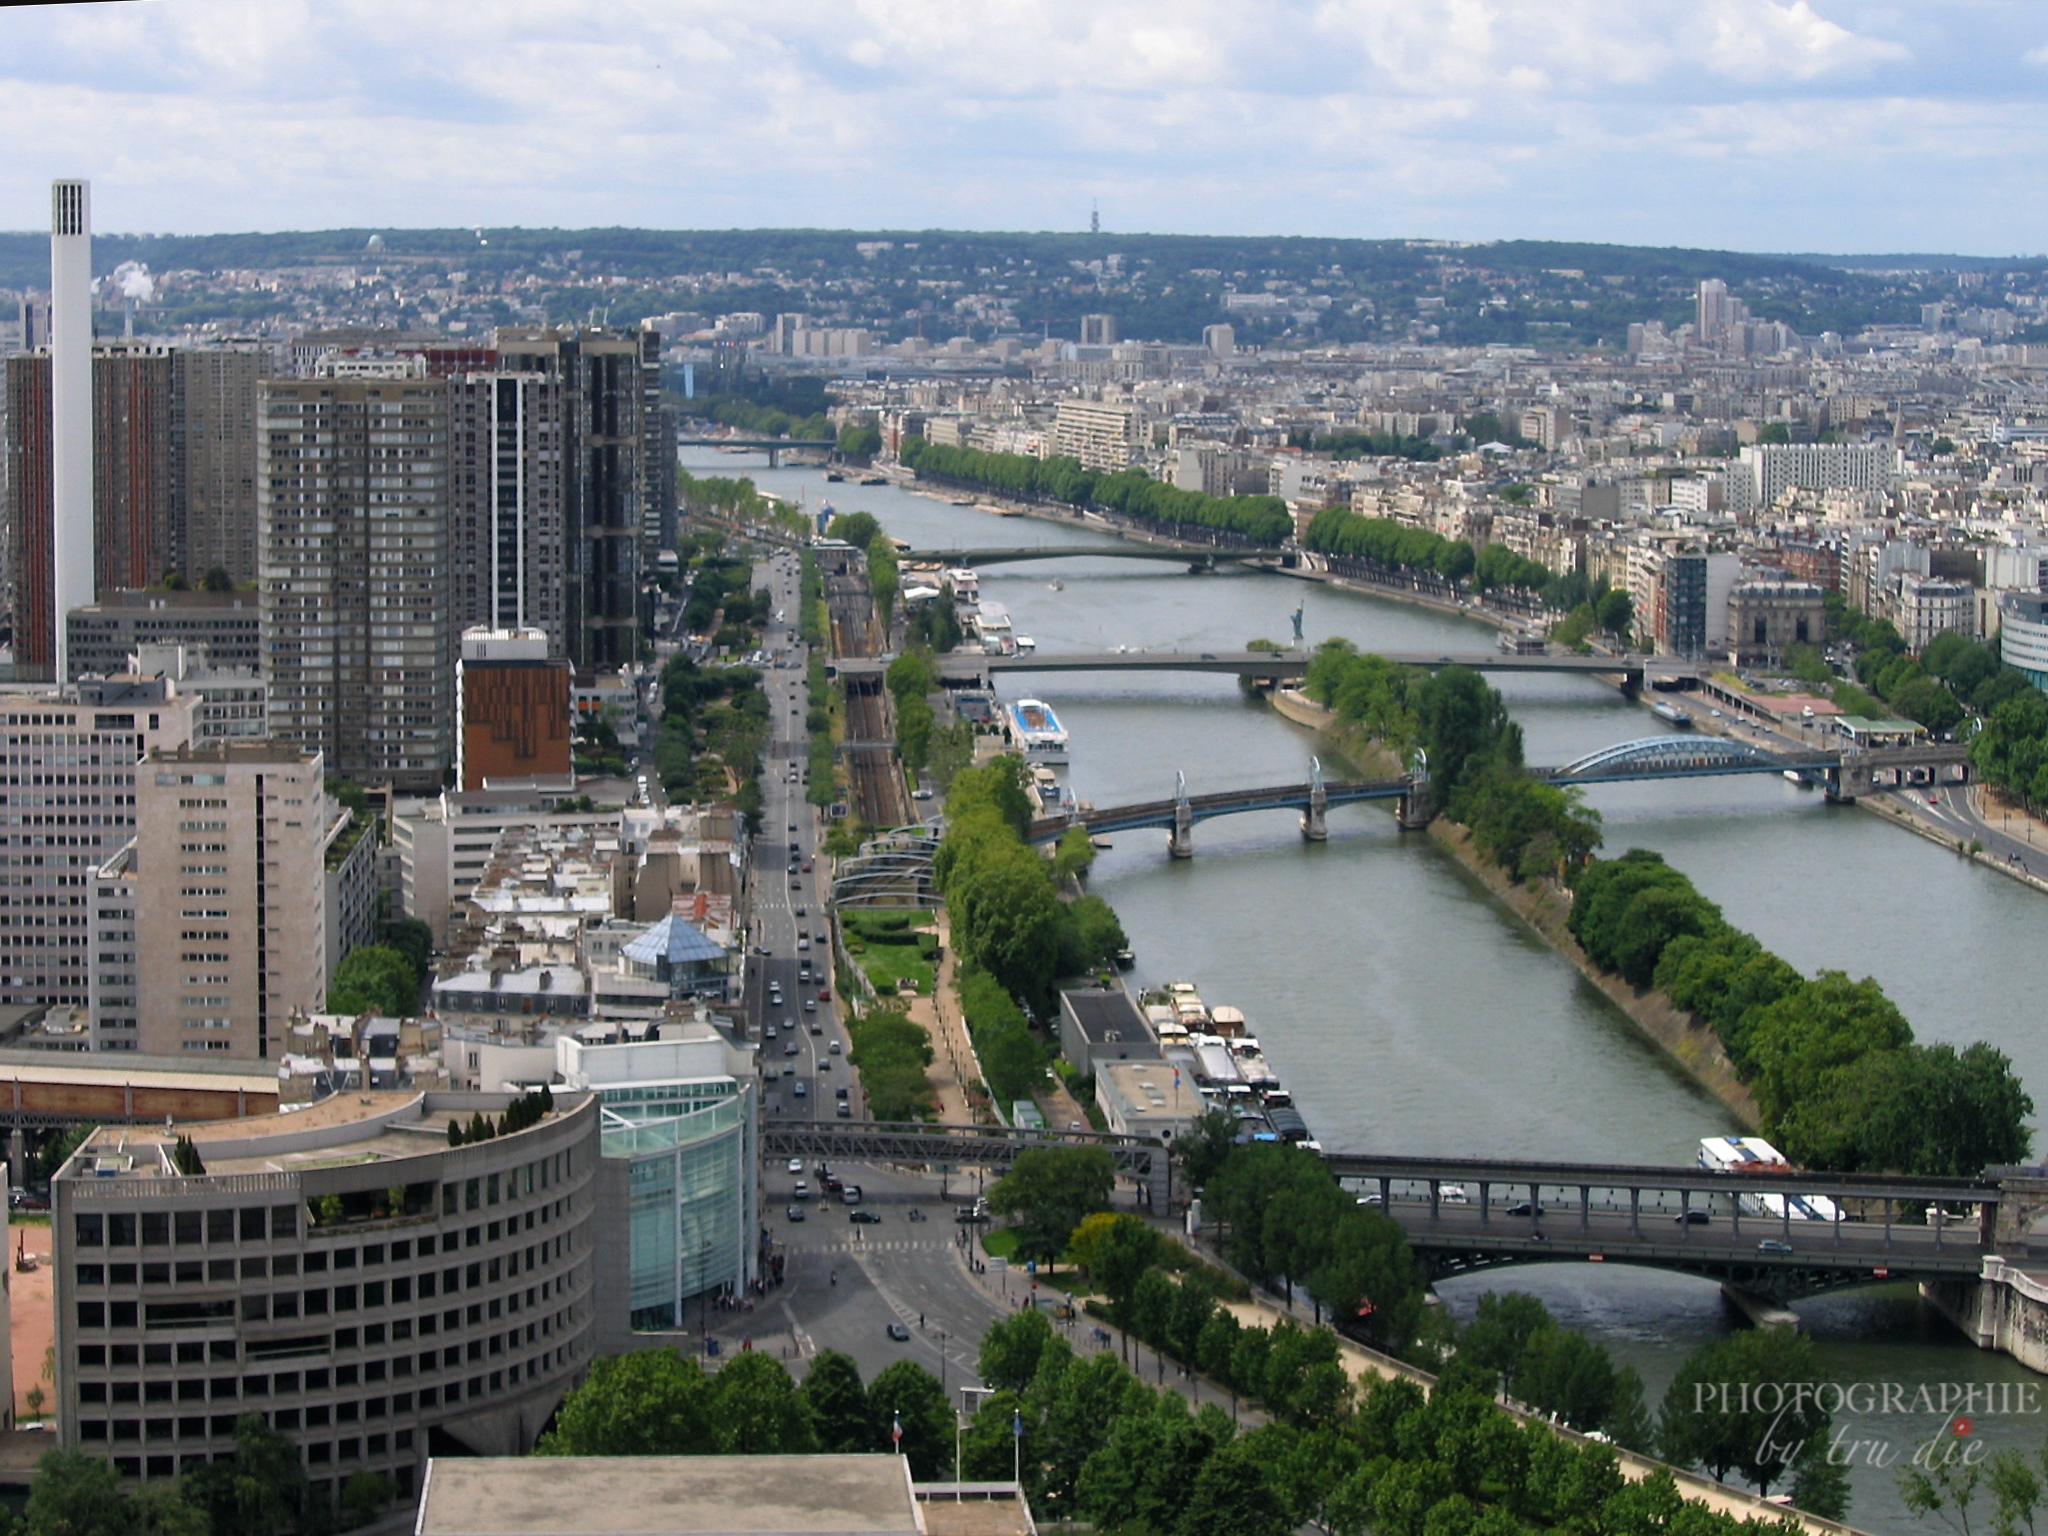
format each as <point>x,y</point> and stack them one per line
<point>1763,125</point>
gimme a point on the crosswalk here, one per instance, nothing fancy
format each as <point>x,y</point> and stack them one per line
<point>873,1245</point>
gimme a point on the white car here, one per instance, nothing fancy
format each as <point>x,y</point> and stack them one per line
<point>796,1165</point>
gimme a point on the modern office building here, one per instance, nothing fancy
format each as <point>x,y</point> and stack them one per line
<point>682,1115</point>
<point>373,1292</point>
<point>2023,634</point>
<point>353,511</point>
<point>68,768</point>
<point>515,711</point>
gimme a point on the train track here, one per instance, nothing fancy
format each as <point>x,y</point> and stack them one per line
<point>876,780</point>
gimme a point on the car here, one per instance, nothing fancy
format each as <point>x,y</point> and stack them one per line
<point>803,941</point>
<point>899,1333</point>
<point>1524,1208</point>
<point>802,1190</point>
<point>833,1183</point>
<point>810,1006</point>
<point>796,1166</point>
<point>816,1027</point>
<point>1453,1194</point>
<point>801,911</point>
<point>792,825</point>
<point>838,1093</point>
<point>833,1047</point>
<point>795,884</point>
<point>1691,1218</point>
<point>792,866</point>
<point>763,949</point>
<point>796,1213</point>
<point>822,937</point>
<point>824,994</point>
<point>789,1069</point>
<point>914,1214</point>
<point>789,1048</point>
<point>1073,1125</point>
<point>849,1194</point>
<point>844,1111</point>
<point>795,710</point>
<point>967,1215</point>
<point>807,870</point>
<point>1774,1245</point>
<point>864,1218</point>
<point>768,1032</point>
<point>800,1092</point>
<point>824,1063</point>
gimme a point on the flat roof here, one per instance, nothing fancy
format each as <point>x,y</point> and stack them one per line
<point>114,1068</point>
<point>669,1496</point>
<point>1103,1016</point>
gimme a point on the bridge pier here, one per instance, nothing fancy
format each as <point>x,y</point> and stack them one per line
<point>1180,842</point>
<point>1761,1311</point>
<point>1414,813</point>
<point>1315,827</point>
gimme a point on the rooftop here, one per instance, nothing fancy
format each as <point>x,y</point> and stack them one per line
<point>669,1496</point>
<point>1106,1015</point>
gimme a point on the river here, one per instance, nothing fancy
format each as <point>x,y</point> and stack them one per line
<point>1407,1010</point>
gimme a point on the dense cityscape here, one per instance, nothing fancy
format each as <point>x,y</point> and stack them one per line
<point>513,789</point>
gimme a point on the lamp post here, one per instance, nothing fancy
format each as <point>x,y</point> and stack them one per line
<point>959,1420</point>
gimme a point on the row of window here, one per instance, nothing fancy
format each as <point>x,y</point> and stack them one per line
<point>255,1223</point>
<point>215,1271</point>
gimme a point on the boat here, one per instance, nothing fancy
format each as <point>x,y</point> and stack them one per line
<point>1058,586</point>
<point>1035,728</point>
<point>834,476</point>
<point>1026,645</point>
<point>1124,958</point>
<point>1671,715</point>
<point>874,479</point>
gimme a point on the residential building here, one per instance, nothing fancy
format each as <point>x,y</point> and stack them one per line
<point>1102,435</point>
<point>229,903</point>
<point>215,399</point>
<point>68,769</point>
<point>444,844</point>
<point>508,505</point>
<point>344,1271</point>
<point>1933,605</point>
<point>233,703</point>
<point>1764,472</point>
<point>228,626</point>
<point>1098,331</point>
<point>604,379</point>
<point>354,522</point>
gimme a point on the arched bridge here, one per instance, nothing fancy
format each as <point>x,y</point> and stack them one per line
<point>774,447</point>
<point>1844,775</point>
<point>1779,1236</point>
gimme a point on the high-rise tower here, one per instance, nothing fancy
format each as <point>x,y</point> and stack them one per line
<point>71,478</point>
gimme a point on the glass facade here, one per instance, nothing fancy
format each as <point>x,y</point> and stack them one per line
<point>691,1191</point>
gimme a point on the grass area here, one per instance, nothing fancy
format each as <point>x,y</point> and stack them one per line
<point>999,1244</point>
<point>892,946</point>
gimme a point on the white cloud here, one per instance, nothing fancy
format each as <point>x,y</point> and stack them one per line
<point>1457,117</point>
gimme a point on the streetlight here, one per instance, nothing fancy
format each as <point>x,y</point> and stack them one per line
<point>958,1422</point>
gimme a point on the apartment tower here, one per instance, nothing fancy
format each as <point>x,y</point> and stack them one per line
<point>353,517</point>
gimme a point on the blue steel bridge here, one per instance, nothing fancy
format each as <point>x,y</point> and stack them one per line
<point>1843,774</point>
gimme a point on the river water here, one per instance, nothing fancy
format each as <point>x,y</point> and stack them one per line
<point>1408,1011</point>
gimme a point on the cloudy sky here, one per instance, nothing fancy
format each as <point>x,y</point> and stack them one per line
<point>1780,125</point>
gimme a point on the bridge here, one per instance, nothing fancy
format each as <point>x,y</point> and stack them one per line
<point>916,1144</point>
<point>1843,774</point>
<point>1266,666</point>
<point>774,447</point>
<point>1774,1236</point>
<point>1201,557</point>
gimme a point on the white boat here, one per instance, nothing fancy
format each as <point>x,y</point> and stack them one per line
<point>1026,645</point>
<point>1036,729</point>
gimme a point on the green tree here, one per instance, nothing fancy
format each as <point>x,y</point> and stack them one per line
<point>374,978</point>
<point>909,1395</point>
<point>76,1494</point>
<point>168,1509</point>
<point>1011,1348</point>
<point>756,1410</point>
<point>1368,1278</point>
<point>1049,1191</point>
<point>259,1490</point>
<point>412,939</point>
<point>1121,1254</point>
<point>1616,611</point>
<point>1825,1023</point>
<point>838,1403</point>
<point>652,1402</point>
<point>1203,1149</point>
<point>1708,1420</point>
<point>1074,853</point>
<point>1234,1496</point>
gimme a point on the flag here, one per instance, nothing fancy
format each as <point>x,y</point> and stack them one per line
<point>896,1432</point>
<point>1017,1425</point>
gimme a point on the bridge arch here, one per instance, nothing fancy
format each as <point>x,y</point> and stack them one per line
<point>1670,754</point>
<point>1779,1284</point>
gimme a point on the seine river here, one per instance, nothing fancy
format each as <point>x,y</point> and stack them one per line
<point>1407,1011</point>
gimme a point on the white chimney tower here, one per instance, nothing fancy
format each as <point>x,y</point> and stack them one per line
<point>71,541</point>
